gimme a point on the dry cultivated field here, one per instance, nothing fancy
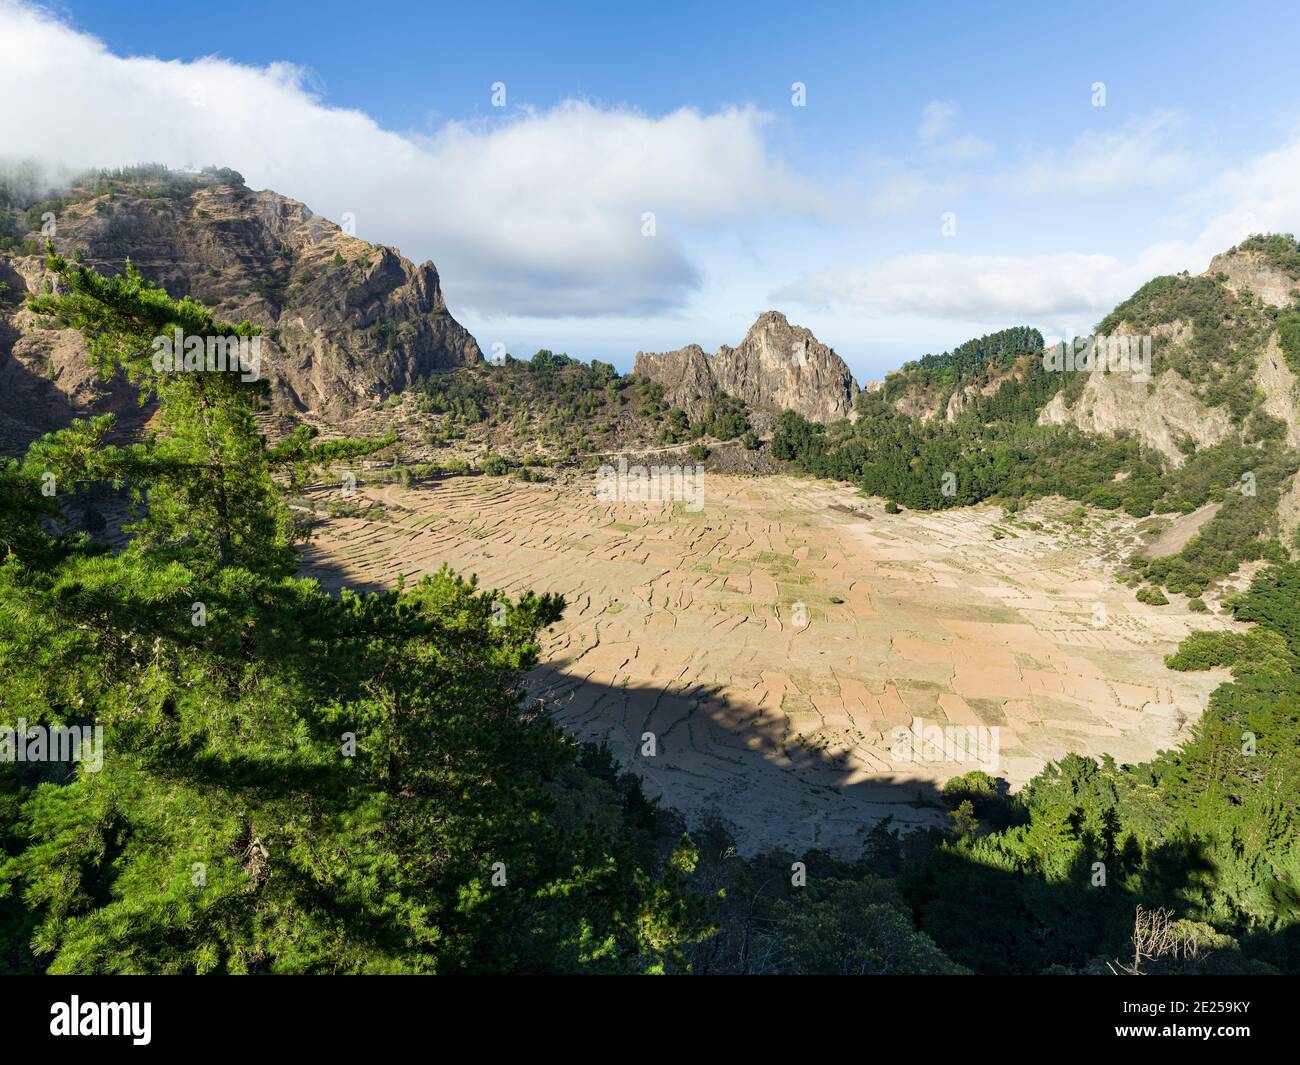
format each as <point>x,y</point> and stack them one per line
<point>772,641</point>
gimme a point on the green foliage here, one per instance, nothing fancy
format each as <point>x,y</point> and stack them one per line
<point>1273,602</point>
<point>1260,649</point>
<point>1288,335</point>
<point>676,426</point>
<point>854,928</point>
<point>975,360</point>
<point>302,782</point>
<point>1282,251</point>
<point>725,418</point>
<point>987,455</point>
<point>1249,482</point>
<point>1226,331</point>
<point>551,399</point>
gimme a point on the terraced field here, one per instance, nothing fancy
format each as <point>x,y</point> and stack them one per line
<point>770,643</point>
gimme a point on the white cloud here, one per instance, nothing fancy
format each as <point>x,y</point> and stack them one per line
<point>937,120</point>
<point>534,213</point>
<point>1069,291</point>
<point>1056,287</point>
<point>938,133</point>
<point>910,191</point>
<point>1138,154</point>
<point>1263,196</point>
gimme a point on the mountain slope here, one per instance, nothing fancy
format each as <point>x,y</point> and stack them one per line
<point>345,323</point>
<point>1219,365</point>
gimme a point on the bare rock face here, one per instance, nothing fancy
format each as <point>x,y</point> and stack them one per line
<point>1160,412</point>
<point>778,366</point>
<point>1280,389</point>
<point>1251,271</point>
<point>345,323</point>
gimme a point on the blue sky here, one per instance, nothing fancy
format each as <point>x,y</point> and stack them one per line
<point>982,116</point>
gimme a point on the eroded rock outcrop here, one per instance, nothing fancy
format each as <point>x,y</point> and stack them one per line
<point>345,323</point>
<point>778,366</point>
<point>1161,412</point>
<point>1251,271</point>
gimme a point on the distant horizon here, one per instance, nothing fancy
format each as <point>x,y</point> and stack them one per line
<point>605,184</point>
<point>624,364</point>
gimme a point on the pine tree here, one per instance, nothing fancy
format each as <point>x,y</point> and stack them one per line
<point>290,781</point>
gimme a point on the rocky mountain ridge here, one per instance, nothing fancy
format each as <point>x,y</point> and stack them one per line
<point>344,323</point>
<point>1209,378</point>
<point>347,325</point>
<point>777,366</point>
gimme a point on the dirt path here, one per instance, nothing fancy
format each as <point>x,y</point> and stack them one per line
<point>1180,531</point>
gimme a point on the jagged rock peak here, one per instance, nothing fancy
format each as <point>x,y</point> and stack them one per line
<point>777,366</point>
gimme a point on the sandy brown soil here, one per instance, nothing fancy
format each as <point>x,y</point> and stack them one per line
<point>771,642</point>
<point>1180,531</point>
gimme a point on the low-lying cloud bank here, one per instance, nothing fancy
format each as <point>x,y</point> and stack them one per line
<point>1064,287</point>
<point>591,212</point>
<point>528,212</point>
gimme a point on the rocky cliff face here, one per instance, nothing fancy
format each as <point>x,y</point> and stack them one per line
<point>778,366</point>
<point>1160,413</point>
<point>345,323</point>
<point>1252,271</point>
<point>1174,406</point>
<point>1280,389</point>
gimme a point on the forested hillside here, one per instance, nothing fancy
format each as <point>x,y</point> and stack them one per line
<point>998,443</point>
<point>294,782</point>
<point>303,783</point>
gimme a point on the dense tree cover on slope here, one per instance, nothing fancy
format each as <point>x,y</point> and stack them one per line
<point>1288,335</point>
<point>1227,331</point>
<point>970,363</point>
<point>299,783</point>
<point>560,402</point>
<point>995,450</point>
